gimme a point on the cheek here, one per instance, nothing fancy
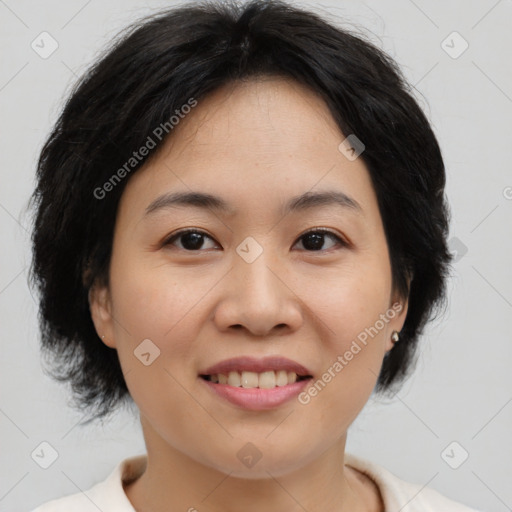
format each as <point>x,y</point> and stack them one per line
<point>351,306</point>
<point>351,298</point>
<point>153,301</point>
<point>148,305</point>
<point>152,304</point>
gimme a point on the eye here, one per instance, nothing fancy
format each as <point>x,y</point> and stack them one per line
<point>192,239</point>
<point>314,240</point>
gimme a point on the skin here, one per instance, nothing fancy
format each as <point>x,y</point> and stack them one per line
<point>255,144</point>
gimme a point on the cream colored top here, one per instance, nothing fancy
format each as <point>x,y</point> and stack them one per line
<point>398,495</point>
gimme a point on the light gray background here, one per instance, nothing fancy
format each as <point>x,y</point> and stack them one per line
<point>462,388</point>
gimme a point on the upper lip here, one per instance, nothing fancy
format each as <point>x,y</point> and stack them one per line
<point>258,365</point>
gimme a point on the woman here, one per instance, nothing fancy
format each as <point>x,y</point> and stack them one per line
<point>241,226</point>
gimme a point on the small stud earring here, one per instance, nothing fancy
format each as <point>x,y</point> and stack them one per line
<point>395,336</point>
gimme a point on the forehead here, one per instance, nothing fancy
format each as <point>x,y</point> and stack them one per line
<point>271,139</point>
<point>259,115</point>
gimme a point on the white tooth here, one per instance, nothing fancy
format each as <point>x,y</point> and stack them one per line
<point>214,378</point>
<point>234,379</point>
<point>267,380</point>
<point>292,377</point>
<point>223,379</point>
<point>282,378</point>
<point>249,380</point>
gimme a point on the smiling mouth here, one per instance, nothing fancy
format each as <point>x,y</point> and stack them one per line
<point>263,380</point>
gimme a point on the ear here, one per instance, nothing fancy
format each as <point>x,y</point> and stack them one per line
<point>101,313</point>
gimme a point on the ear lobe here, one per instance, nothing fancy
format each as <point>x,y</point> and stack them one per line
<point>100,308</point>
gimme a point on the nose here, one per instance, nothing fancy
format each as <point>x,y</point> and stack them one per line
<point>259,297</point>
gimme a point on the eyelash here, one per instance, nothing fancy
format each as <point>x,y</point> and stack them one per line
<point>168,241</point>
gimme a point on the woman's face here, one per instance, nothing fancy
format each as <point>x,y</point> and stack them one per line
<point>250,283</point>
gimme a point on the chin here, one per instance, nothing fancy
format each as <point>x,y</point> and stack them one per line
<point>252,464</point>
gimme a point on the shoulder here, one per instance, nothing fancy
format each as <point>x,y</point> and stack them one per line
<point>107,495</point>
<point>398,494</point>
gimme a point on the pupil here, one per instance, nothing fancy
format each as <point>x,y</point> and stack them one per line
<point>192,241</point>
<point>317,241</point>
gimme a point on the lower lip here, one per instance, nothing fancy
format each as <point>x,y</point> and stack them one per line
<point>257,399</point>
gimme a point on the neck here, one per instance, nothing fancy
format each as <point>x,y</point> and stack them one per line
<point>174,481</point>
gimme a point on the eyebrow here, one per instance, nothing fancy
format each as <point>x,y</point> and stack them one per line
<point>205,201</point>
